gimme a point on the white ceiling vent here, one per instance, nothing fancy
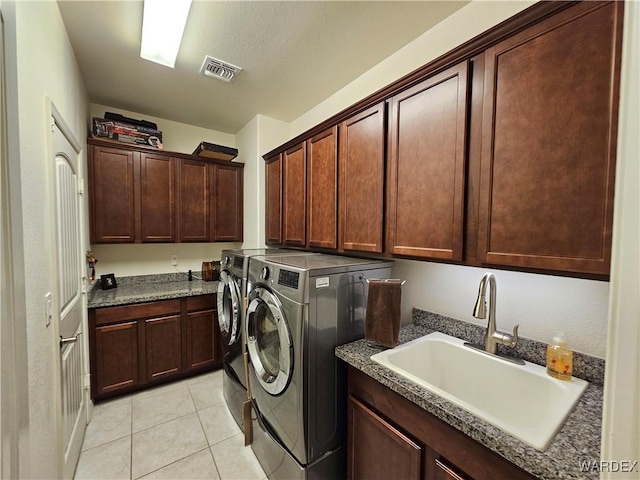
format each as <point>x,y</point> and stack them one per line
<point>212,67</point>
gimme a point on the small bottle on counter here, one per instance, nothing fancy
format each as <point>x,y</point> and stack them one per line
<point>190,276</point>
<point>559,358</point>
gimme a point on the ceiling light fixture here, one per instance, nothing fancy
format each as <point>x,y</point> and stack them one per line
<point>163,23</point>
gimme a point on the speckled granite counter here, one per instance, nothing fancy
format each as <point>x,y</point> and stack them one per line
<point>577,442</point>
<point>149,288</point>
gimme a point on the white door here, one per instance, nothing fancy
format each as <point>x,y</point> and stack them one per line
<point>70,302</point>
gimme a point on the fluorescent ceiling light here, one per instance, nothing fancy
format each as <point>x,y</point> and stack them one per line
<point>163,24</point>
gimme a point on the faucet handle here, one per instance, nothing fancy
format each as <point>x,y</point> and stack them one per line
<point>514,336</point>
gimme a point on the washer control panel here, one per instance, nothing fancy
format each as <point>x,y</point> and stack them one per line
<point>288,278</point>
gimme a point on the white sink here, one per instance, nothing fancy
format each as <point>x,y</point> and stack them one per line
<point>519,399</point>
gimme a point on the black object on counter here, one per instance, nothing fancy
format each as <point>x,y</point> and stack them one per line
<point>190,276</point>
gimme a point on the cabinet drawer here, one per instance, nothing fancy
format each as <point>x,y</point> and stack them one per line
<point>132,312</point>
<point>201,302</point>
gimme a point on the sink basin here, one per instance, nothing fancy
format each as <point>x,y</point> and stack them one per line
<point>519,399</point>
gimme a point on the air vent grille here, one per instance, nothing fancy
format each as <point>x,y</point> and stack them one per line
<point>214,68</point>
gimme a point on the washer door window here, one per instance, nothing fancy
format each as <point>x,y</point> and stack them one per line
<point>229,307</point>
<point>269,341</point>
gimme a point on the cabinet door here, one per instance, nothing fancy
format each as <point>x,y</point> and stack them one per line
<point>193,201</point>
<point>322,190</point>
<point>201,339</point>
<point>362,153</point>
<point>157,198</point>
<point>549,142</point>
<point>116,357</point>
<point>445,472</point>
<point>163,347</point>
<point>294,208</point>
<point>273,201</point>
<point>228,219</point>
<point>112,195</point>
<point>427,169</point>
<point>376,449</point>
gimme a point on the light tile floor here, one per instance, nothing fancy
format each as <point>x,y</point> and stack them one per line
<point>182,430</point>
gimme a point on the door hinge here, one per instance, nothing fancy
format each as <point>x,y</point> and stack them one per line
<point>87,381</point>
<point>53,125</point>
<point>81,186</point>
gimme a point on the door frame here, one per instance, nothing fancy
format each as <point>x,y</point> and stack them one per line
<point>53,115</point>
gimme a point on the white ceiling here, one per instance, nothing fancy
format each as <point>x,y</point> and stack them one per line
<point>294,54</point>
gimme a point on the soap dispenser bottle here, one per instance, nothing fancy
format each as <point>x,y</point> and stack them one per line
<point>559,358</point>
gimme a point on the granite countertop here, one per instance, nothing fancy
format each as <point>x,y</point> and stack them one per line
<point>577,442</point>
<point>149,288</point>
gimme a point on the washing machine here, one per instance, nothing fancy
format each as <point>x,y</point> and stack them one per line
<point>232,291</point>
<point>300,308</point>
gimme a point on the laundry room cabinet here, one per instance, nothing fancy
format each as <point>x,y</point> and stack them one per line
<point>361,180</point>
<point>499,153</point>
<point>139,196</point>
<point>139,345</point>
<point>294,196</point>
<point>273,200</point>
<point>328,192</point>
<point>549,142</point>
<point>427,157</point>
<point>322,190</point>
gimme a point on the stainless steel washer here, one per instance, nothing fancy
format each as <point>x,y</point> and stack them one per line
<point>300,308</point>
<point>232,291</point>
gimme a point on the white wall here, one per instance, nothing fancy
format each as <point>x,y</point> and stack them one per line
<point>176,136</point>
<point>541,304</point>
<point>44,66</point>
<point>146,259</point>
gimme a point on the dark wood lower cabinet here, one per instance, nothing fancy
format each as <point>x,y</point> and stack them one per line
<point>200,327</point>
<point>377,449</point>
<point>140,345</point>
<point>163,346</point>
<point>116,351</point>
<point>390,437</point>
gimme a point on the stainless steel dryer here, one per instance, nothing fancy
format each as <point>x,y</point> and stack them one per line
<point>232,290</point>
<point>300,308</point>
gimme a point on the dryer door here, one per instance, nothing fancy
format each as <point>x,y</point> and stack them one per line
<point>269,341</point>
<point>229,305</point>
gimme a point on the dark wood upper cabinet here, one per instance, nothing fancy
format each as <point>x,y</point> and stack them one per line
<point>111,175</point>
<point>549,142</point>
<point>426,179</point>
<point>157,198</point>
<point>322,190</point>
<point>228,197</point>
<point>193,201</point>
<point>273,201</point>
<point>138,196</point>
<point>361,181</point>
<point>294,204</point>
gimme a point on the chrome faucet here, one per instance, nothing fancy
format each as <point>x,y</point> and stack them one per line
<point>480,311</point>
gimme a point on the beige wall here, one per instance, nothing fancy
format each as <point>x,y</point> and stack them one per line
<point>45,66</point>
<point>541,304</point>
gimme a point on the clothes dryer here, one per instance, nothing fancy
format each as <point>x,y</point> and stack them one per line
<point>232,292</point>
<point>300,308</point>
